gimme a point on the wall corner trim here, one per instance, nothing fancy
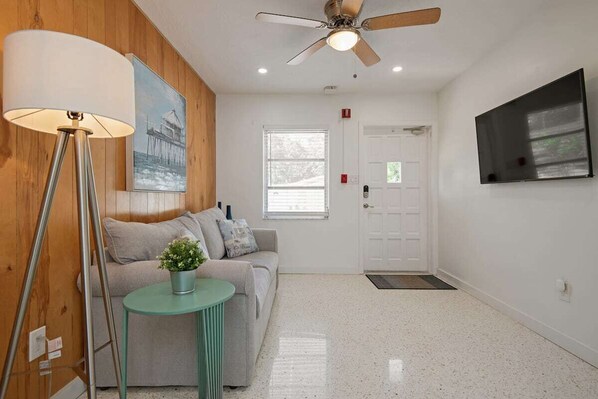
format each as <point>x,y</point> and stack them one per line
<point>566,342</point>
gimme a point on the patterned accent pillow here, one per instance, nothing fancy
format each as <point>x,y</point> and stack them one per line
<point>238,237</point>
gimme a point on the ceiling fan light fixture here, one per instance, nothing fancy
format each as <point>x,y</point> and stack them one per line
<point>343,39</point>
<point>343,21</point>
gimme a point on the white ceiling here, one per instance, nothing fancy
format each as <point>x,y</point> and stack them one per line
<point>226,45</point>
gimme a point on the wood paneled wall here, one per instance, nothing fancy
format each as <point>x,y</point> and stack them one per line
<point>24,161</point>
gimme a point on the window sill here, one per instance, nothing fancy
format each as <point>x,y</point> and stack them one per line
<point>294,217</point>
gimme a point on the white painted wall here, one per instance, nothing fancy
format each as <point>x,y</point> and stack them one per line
<point>508,243</point>
<point>305,246</point>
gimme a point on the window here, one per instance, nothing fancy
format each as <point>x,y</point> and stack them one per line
<point>295,173</point>
<point>393,172</point>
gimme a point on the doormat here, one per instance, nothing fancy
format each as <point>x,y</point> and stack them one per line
<point>408,282</point>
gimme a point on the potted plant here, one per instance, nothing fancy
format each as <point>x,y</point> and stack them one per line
<point>181,257</point>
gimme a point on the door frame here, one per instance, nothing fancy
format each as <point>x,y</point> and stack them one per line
<point>432,179</point>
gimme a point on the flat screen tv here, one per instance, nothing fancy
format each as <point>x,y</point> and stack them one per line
<point>541,135</point>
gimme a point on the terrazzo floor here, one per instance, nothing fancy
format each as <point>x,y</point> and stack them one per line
<point>340,337</point>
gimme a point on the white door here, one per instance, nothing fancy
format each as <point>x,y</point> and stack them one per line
<point>394,221</point>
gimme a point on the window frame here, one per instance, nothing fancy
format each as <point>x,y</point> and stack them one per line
<point>295,215</point>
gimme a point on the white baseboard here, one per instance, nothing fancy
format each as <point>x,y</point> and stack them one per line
<point>566,342</point>
<point>317,270</point>
<point>72,390</point>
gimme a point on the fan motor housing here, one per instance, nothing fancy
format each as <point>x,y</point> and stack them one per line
<point>333,10</point>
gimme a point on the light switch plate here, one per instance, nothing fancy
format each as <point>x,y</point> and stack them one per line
<point>37,343</point>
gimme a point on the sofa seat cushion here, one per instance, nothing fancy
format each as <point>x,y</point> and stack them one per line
<point>262,259</point>
<point>262,284</point>
<point>131,241</point>
<point>208,220</point>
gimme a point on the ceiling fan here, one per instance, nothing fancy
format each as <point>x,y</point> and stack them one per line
<point>345,31</point>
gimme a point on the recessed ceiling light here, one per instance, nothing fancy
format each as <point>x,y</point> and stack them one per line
<point>263,71</point>
<point>397,69</point>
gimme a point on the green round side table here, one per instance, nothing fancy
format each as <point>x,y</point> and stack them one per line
<point>208,302</point>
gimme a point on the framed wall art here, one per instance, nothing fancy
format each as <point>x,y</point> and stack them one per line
<point>157,152</point>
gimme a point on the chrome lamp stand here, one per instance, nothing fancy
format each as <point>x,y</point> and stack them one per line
<point>87,206</point>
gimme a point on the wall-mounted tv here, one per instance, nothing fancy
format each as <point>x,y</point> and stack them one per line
<point>541,135</point>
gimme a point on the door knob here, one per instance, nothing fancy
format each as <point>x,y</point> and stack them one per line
<point>366,206</point>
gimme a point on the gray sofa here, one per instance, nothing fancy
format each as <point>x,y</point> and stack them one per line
<point>162,349</point>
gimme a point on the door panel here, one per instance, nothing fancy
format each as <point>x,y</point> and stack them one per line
<point>375,172</point>
<point>393,226</point>
<point>393,198</point>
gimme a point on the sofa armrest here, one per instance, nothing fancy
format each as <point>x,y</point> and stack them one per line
<point>238,273</point>
<point>267,239</point>
<point>124,279</point>
<point>94,257</point>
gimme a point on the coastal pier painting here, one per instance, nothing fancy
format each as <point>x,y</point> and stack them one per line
<point>156,154</point>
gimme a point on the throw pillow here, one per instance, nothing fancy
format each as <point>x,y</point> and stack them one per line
<point>189,235</point>
<point>238,237</point>
<point>131,241</point>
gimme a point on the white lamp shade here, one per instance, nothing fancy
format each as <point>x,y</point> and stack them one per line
<point>48,73</point>
<point>343,40</point>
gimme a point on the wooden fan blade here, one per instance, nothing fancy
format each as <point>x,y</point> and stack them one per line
<point>351,7</point>
<point>290,20</point>
<point>305,54</point>
<point>365,53</point>
<point>402,19</point>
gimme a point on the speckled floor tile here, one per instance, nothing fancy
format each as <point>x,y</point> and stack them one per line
<point>340,337</point>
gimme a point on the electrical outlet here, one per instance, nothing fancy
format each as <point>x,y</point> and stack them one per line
<point>37,343</point>
<point>565,295</point>
<point>45,367</point>
<point>55,344</point>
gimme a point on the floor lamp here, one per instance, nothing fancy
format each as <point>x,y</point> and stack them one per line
<point>72,87</point>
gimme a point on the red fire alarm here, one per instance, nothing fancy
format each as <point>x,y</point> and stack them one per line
<point>344,178</point>
<point>346,113</point>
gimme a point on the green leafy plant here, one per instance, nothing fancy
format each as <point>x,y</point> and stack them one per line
<point>182,255</point>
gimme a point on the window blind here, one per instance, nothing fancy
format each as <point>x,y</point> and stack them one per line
<point>295,173</point>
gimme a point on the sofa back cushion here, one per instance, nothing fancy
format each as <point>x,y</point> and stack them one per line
<point>190,236</point>
<point>131,241</point>
<point>208,220</point>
